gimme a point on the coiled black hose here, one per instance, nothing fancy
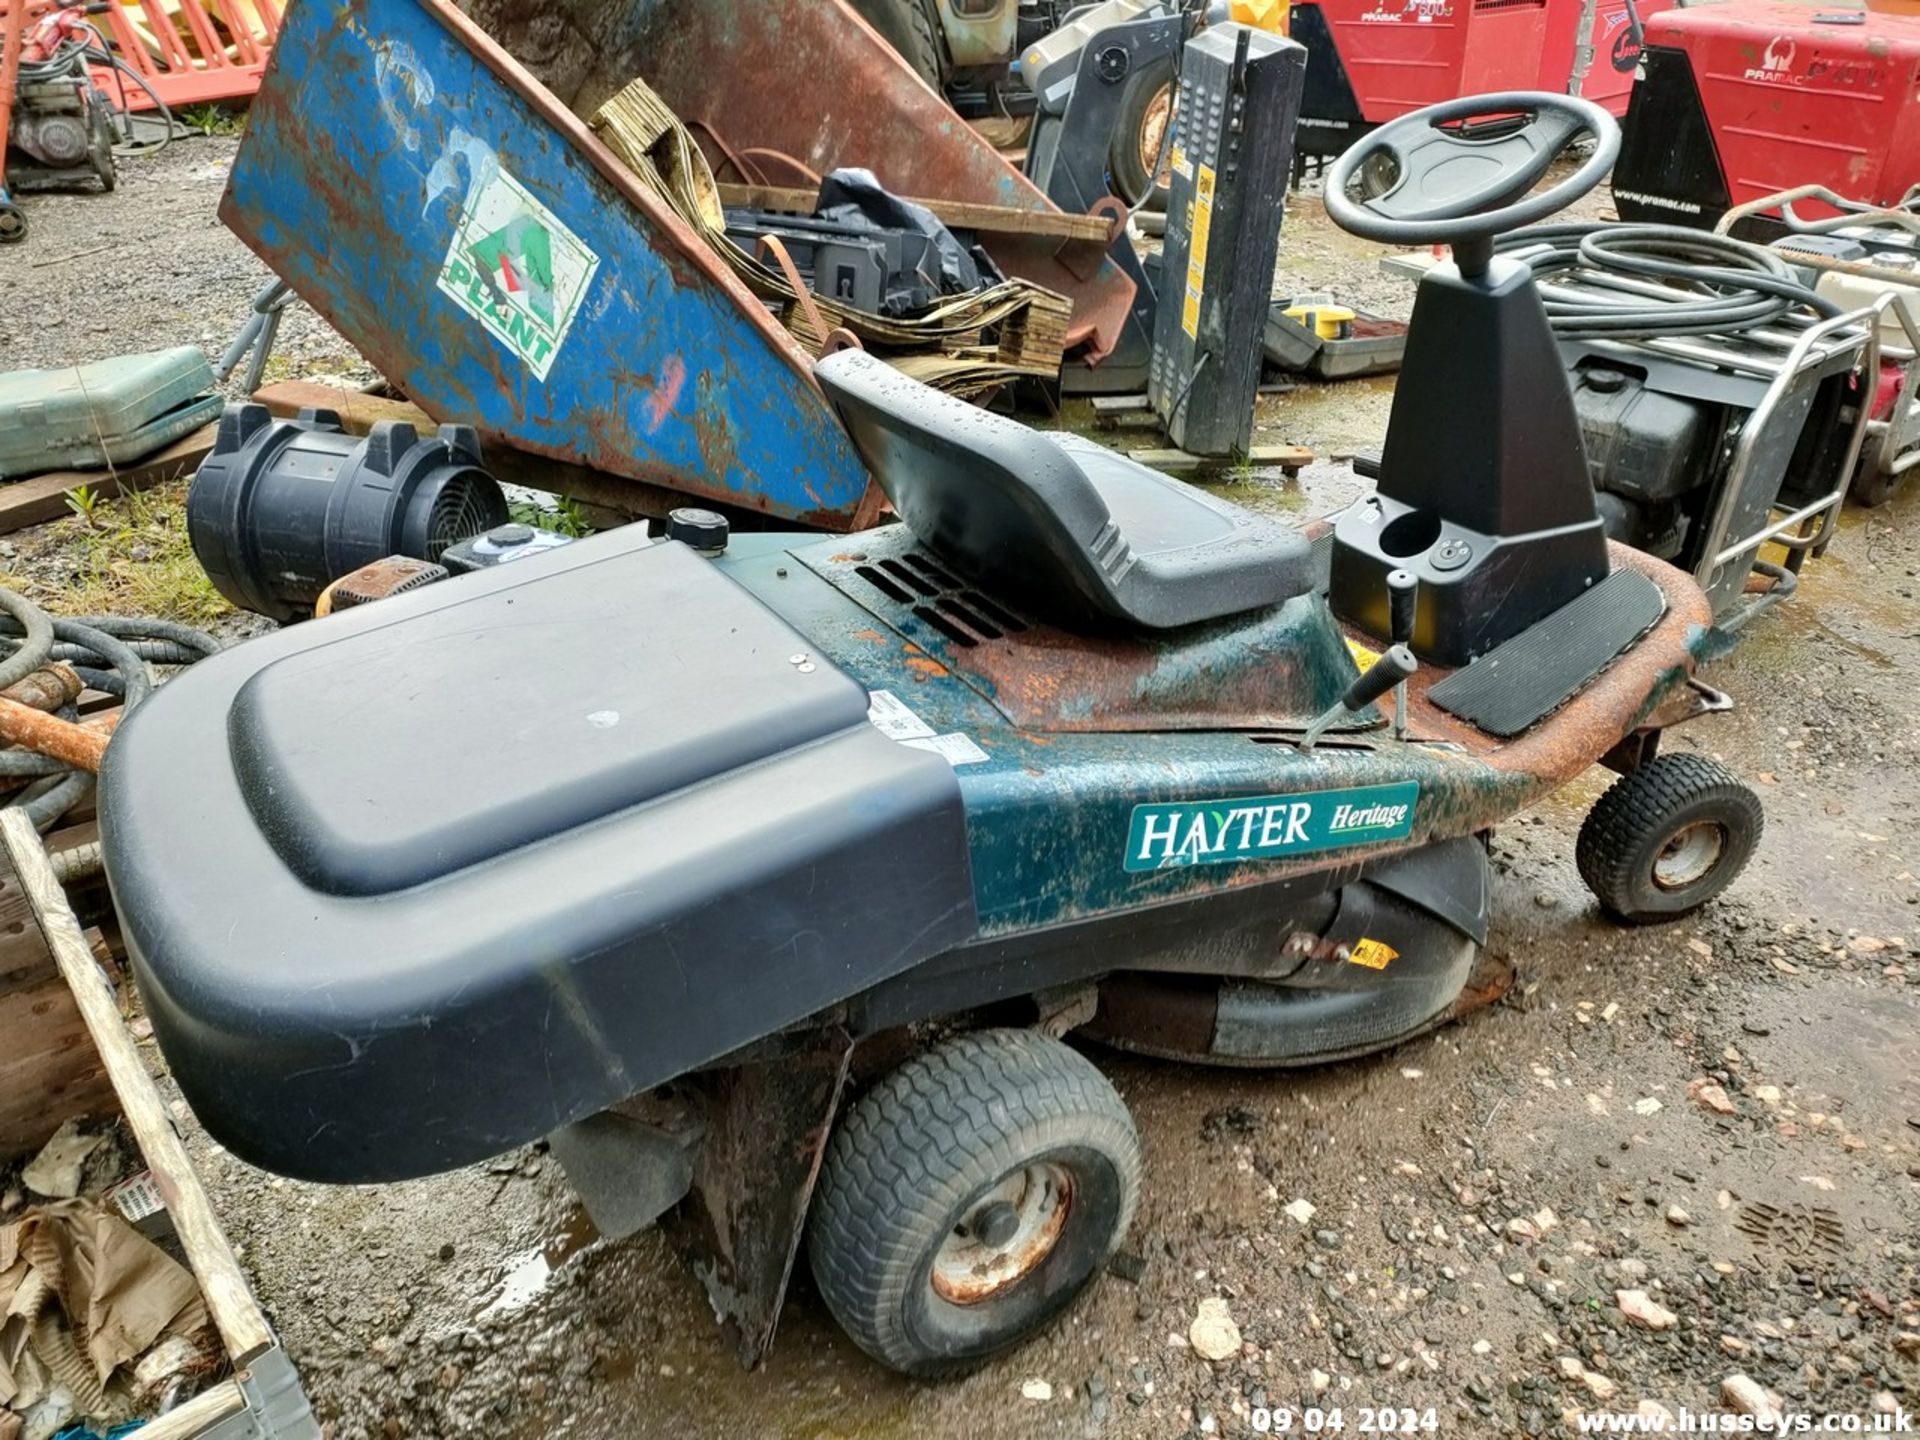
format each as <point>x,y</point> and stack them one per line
<point>1649,281</point>
<point>111,654</point>
<point>30,653</point>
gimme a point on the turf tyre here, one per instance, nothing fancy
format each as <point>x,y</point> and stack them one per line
<point>1634,839</point>
<point>915,1156</point>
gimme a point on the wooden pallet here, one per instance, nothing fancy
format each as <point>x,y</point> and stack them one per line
<point>40,498</point>
<point>49,1069</point>
<point>961,214</point>
<point>1290,458</point>
<point>261,1395</point>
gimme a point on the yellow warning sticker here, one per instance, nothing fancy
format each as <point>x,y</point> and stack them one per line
<point>1197,252</point>
<point>1362,656</point>
<point>1202,216</point>
<point>1374,954</point>
<point>1179,163</point>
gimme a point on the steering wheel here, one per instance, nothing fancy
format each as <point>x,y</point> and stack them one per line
<point>1436,186</point>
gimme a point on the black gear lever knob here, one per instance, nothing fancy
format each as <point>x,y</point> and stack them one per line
<point>1385,673</point>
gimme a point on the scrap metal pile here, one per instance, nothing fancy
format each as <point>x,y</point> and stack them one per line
<point>966,343</point>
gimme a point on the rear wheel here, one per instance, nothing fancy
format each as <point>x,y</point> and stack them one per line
<point>1668,838</point>
<point>913,30</point>
<point>969,1197</point>
<point>13,223</point>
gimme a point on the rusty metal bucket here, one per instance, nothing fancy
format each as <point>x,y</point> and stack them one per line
<point>423,178</point>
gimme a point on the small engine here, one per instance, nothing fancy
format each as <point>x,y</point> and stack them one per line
<point>1662,436</point>
<point>63,128</point>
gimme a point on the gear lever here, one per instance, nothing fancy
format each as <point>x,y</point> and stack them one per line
<point>1389,670</point>
<point>1403,595</point>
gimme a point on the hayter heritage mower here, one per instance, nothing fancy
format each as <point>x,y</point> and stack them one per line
<point>764,874</point>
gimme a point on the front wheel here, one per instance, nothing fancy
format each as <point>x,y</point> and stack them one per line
<point>1668,838</point>
<point>969,1196</point>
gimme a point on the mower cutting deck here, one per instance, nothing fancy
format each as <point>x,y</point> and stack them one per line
<point>787,869</point>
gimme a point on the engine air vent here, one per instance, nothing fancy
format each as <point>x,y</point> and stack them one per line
<point>939,598</point>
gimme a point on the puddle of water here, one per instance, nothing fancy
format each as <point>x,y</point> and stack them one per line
<point>529,1273</point>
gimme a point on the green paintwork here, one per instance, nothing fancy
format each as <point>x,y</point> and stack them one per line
<point>1049,813</point>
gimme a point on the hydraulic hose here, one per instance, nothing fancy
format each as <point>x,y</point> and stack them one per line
<point>108,653</point>
<point>32,652</point>
<point>1648,281</point>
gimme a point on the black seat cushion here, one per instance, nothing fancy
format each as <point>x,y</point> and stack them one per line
<point>1065,528</point>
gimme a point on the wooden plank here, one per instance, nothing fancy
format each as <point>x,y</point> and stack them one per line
<point>1128,420</point>
<point>243,1328</point>
<point>24,956</point>
<point>44,497</point>
<point>967,214</point>
<point>49,1069</point>
<point>1177,462</point>
<point>199,1415</point>
<point>55,1076</point>
<point>359,412</point>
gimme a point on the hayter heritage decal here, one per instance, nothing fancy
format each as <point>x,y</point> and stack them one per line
<point>517,269</point>
<point>1267,827</point>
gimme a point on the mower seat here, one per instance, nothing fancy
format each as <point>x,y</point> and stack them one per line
<point>1062,527</point>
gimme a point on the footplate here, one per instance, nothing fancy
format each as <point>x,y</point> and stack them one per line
<point>1520,682</point>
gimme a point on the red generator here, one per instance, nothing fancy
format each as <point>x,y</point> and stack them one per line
<point>1370,61</point>
<point>1752,97</point>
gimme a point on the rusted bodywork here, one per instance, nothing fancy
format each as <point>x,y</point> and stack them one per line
<point>767,1123</point>
<point>1275,671</point>
<point>1629,693</point>
<point>1049,807</point>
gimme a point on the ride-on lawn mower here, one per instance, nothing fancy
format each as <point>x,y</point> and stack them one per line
<point>764,875</point>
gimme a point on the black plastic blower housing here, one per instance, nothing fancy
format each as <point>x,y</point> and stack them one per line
<point>283,508</point>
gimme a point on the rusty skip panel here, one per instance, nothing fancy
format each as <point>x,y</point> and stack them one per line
<point>456,222</point>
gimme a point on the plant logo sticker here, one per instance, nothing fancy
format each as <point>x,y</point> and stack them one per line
<point>518,270</point>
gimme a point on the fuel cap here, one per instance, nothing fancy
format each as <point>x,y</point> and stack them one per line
<point>700,530</point>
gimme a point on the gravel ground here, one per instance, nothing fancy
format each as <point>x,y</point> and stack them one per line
<point>1722,1116</point>
<point>147,267</point>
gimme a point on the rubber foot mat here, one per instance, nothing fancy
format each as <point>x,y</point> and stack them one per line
<point>1540,669</point>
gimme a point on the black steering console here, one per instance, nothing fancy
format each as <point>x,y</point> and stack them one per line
<point>1483,493</point>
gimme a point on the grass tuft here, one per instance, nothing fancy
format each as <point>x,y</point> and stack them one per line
<point>123,556</point>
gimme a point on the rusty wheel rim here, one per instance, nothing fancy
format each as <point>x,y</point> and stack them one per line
<point>1005,1235</point>
<point>1153,132</point>
<point>1689,855</point>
